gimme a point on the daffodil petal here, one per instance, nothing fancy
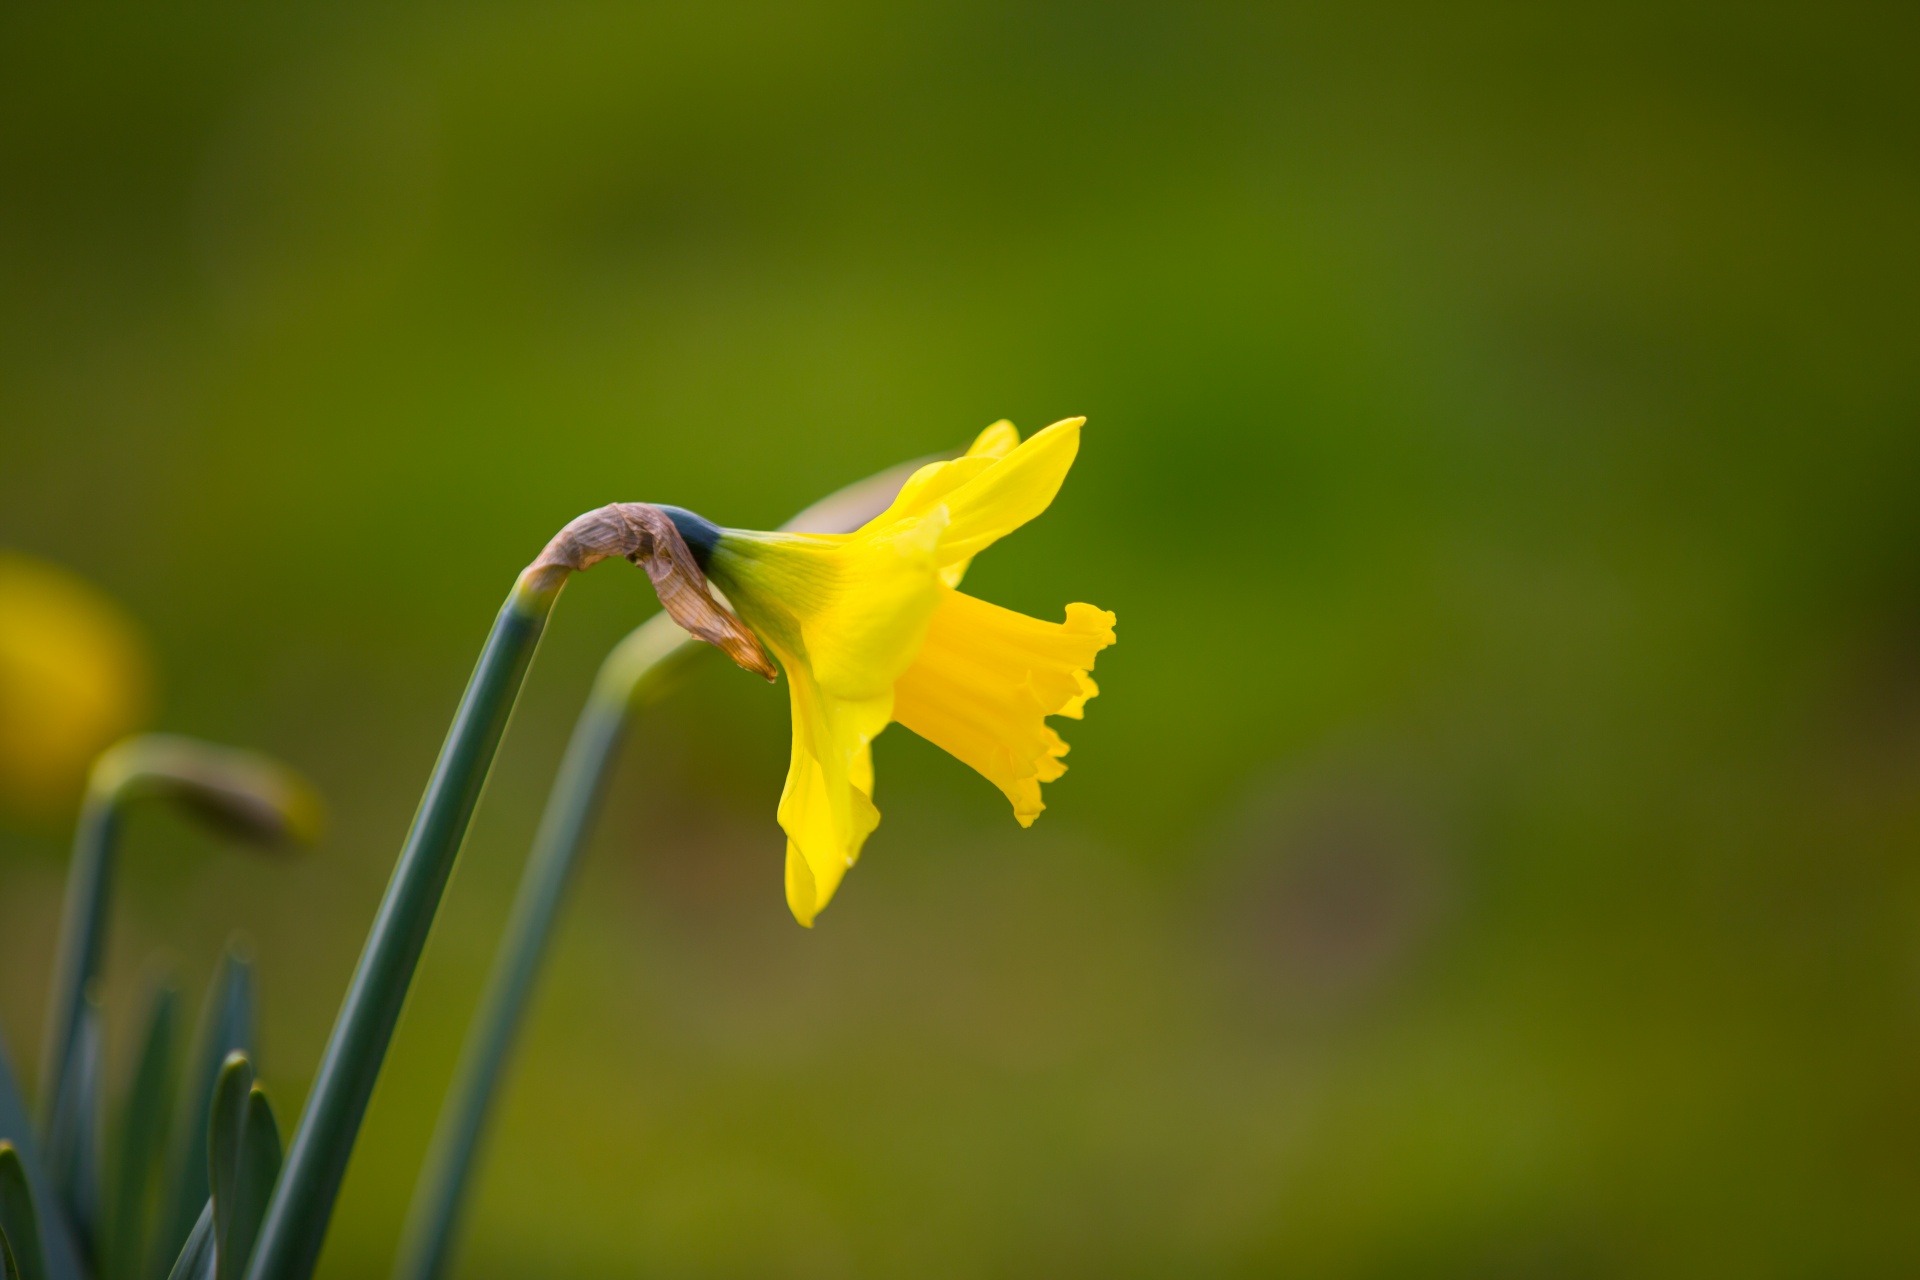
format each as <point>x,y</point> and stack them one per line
<point>827,806</point>
<point>1010,492</point>
<point>929,486</point>
<point>802,900</point>
<point>997,441</point>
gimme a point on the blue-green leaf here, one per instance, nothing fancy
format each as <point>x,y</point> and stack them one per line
<point>226,1024</point>
<point>243,1154</point>
<point>18,1217</point>
<point>259,1169</point>
<point>196,1260</point>
<point>62,1260</point>
<point>141,1139</point>
<point>15,1125</point>
<point>73,1139</point>
<point>226,1132</point>
<point>8,1267</point>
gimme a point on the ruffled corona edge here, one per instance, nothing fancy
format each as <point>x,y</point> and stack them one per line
<point>985,682</point>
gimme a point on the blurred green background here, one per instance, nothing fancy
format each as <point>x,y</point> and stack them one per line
<point>1494,850</point>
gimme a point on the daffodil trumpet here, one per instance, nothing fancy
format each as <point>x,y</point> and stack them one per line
<point>239,794</point>
<point>636,673</point>
<point>302,1203</point>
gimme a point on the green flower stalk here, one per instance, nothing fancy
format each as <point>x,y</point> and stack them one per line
<point>633,674</point>
<point>239,794</point>
<point>639,670</point>
<point>297,1215</point>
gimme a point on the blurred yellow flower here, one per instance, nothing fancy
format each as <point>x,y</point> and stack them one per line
<point>74,677</point>
<point>870,630</point>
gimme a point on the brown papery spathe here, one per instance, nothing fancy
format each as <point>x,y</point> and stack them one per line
<point>645,535</point>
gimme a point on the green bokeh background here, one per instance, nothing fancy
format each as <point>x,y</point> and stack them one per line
<point>1494,850</point>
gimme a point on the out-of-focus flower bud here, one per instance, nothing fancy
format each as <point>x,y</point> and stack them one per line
<point>241,795</point>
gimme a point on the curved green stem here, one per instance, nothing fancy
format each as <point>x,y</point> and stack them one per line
<point>631,676</point>
<point>296,1218</point>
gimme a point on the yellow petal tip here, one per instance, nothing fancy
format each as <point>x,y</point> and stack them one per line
<point>801,899</point>
<point>997,441</point>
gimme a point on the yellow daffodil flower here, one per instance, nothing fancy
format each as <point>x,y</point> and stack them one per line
<point>871,629</point>
<point>73,678</point>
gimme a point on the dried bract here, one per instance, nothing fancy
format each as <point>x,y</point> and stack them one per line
<point>645,535</point>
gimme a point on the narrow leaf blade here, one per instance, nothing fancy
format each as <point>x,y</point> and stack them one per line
<point>196,1260</point>
<point>257,1170</point>
<point>73,1140</point>
<point>62,1259</point>
<point>226,1133</point>
<point>15,1124</point>
<point>226,1024</point>
<point>18,1217</point>
<point>141,1138</point>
